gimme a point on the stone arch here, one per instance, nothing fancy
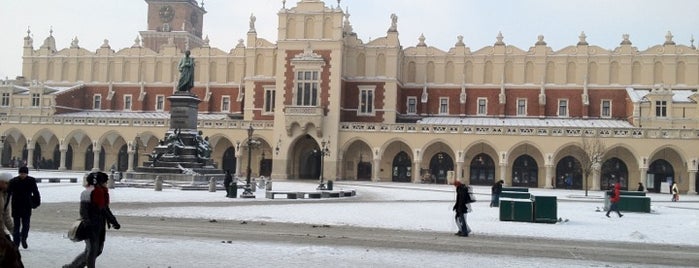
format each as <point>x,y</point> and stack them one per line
<point>357,159</point>
<point>532,150</point>
<point>481,161</point>
<point>449,72</point>
<point>361,65</point>
<point>381,65</point>
<point>401,170</point>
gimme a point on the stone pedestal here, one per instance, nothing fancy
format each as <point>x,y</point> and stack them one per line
<point>182,150</point>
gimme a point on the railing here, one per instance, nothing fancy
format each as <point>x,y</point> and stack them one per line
<point>367,127</point>
<point>523,131</point>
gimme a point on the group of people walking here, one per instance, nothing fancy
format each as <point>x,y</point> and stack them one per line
<point>20,195</point>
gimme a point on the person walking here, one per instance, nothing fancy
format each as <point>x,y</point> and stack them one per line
<point>227,180</point>
<point>495,193</point>
<point>614,198</point>
<point>461,207</point>
<point>24,195</point>
<point>8,251</point>
<point>95,213</point>
<point>675,192</point>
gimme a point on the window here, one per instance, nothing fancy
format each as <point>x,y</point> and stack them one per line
<point>482,106</point>
<point>661,108</point>
<point>521,107</point>
<point>5,99</point>
<point>606,108</point>
<point>225,104</point>
<point>412,105</point>
<point>307,88</point>
<point>270,95</point>
<point>35,100</point>
<point>160,102</point>
<point>97,102</point>
<point>444,105</point>
<point>366,100</point>
<point>127,102</point>
<point>563,108</point>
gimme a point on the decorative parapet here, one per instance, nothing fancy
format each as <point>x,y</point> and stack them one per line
<point>635,133</point>
<point>304,116</point>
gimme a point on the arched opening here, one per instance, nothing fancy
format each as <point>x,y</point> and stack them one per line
<point>308,158</point>
<point>569,174</point>
<point>363,169</point>
<point>265,166</point>
<point>439,165</point>
<point>7,159</point>
<point>122,159</point>
<point>69,157</point>
<point>401,169</point>
<point>37,156</point>
<point>482,171</point>
<point>659,171</point>
<point>228,161</point>
<point>89,158</point>
<point>54,162</point>
<point>525,172</point>
<point>614,170</point>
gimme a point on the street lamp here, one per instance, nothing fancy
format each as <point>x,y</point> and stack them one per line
<point>247,193</point>
<point>322,152</point>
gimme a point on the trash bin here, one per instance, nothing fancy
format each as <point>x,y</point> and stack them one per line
<point>516,210</point>
<point>232,191</point>
<point>545,209</point>
<point>330,185</point>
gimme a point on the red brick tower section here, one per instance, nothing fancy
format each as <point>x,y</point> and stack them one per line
<point>177,21</point>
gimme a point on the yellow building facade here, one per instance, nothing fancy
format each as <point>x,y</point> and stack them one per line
<point>384,112</point>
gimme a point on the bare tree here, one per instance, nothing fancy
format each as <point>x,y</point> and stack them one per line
<point>593,148</point>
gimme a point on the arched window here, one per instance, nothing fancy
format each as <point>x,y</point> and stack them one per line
<point>525,172</point>
<point>482,170</point>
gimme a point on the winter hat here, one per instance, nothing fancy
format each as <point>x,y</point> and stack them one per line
<point>457,183</point>
<point>6,177</point>
<point>101,177</point>
<point>24,170</point>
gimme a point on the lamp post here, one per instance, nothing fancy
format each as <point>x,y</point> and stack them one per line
<point>247,192</point>
<point>2,148</point>
<point>322,152</point>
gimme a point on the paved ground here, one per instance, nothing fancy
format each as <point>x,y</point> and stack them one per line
<point>57,216</point>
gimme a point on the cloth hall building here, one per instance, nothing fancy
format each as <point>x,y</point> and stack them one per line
<point>385,110</point>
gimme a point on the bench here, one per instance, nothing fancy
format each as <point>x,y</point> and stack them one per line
<point>56,180</point>
<point>515,189</point>
<point>516,195</point>
<point>629,201</point>
<point>289,195</point>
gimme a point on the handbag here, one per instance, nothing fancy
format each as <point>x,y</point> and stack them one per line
<point>77,231</point>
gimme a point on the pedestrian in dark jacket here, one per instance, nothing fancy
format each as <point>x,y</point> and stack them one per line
<point>227,180</point>
<point>614,198</point>
<point>641,188</point>
<point>495,193</point>
<point>461,207</point>
<point>24,196</point>
<point>96,215</point>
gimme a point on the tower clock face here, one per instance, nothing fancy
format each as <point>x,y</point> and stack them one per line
<point>166,13</point>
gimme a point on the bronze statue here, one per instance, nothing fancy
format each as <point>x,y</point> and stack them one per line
<point>186,67</point>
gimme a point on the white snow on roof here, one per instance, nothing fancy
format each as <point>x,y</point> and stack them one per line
<point>526,122</point>
<point>679,95</point>
<point>147,115</point>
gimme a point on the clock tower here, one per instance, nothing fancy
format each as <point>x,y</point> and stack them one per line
<point>175,22</point>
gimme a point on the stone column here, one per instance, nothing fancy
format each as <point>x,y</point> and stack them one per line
<point>64,151</point>
<point>131,153</point>
<point>467,174</point>
<point>644,175</point>
<point>549,176</point>
<point>2,147</point>
<point>459,169</point>
<point>375,169</point>
<point>30,153</point>
<point>416,171</point>
<point>503,170</point>
<point>692,182</point>
<point>96,149</point>
<point>238,161</point>
<point>596,174</point>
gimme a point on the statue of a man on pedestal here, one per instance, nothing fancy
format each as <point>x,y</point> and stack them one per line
<point>186,67</point>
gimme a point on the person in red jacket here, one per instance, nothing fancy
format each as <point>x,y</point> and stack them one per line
<point>95,213</point>
<point>614,198</point>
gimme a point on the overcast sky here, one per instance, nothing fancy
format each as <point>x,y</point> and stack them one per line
<point>441,21</point>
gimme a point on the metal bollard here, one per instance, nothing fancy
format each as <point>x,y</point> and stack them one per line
<point>158,184</point>
<point>110,181</point>
<point>253,185</point>
<point>212,184</point>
